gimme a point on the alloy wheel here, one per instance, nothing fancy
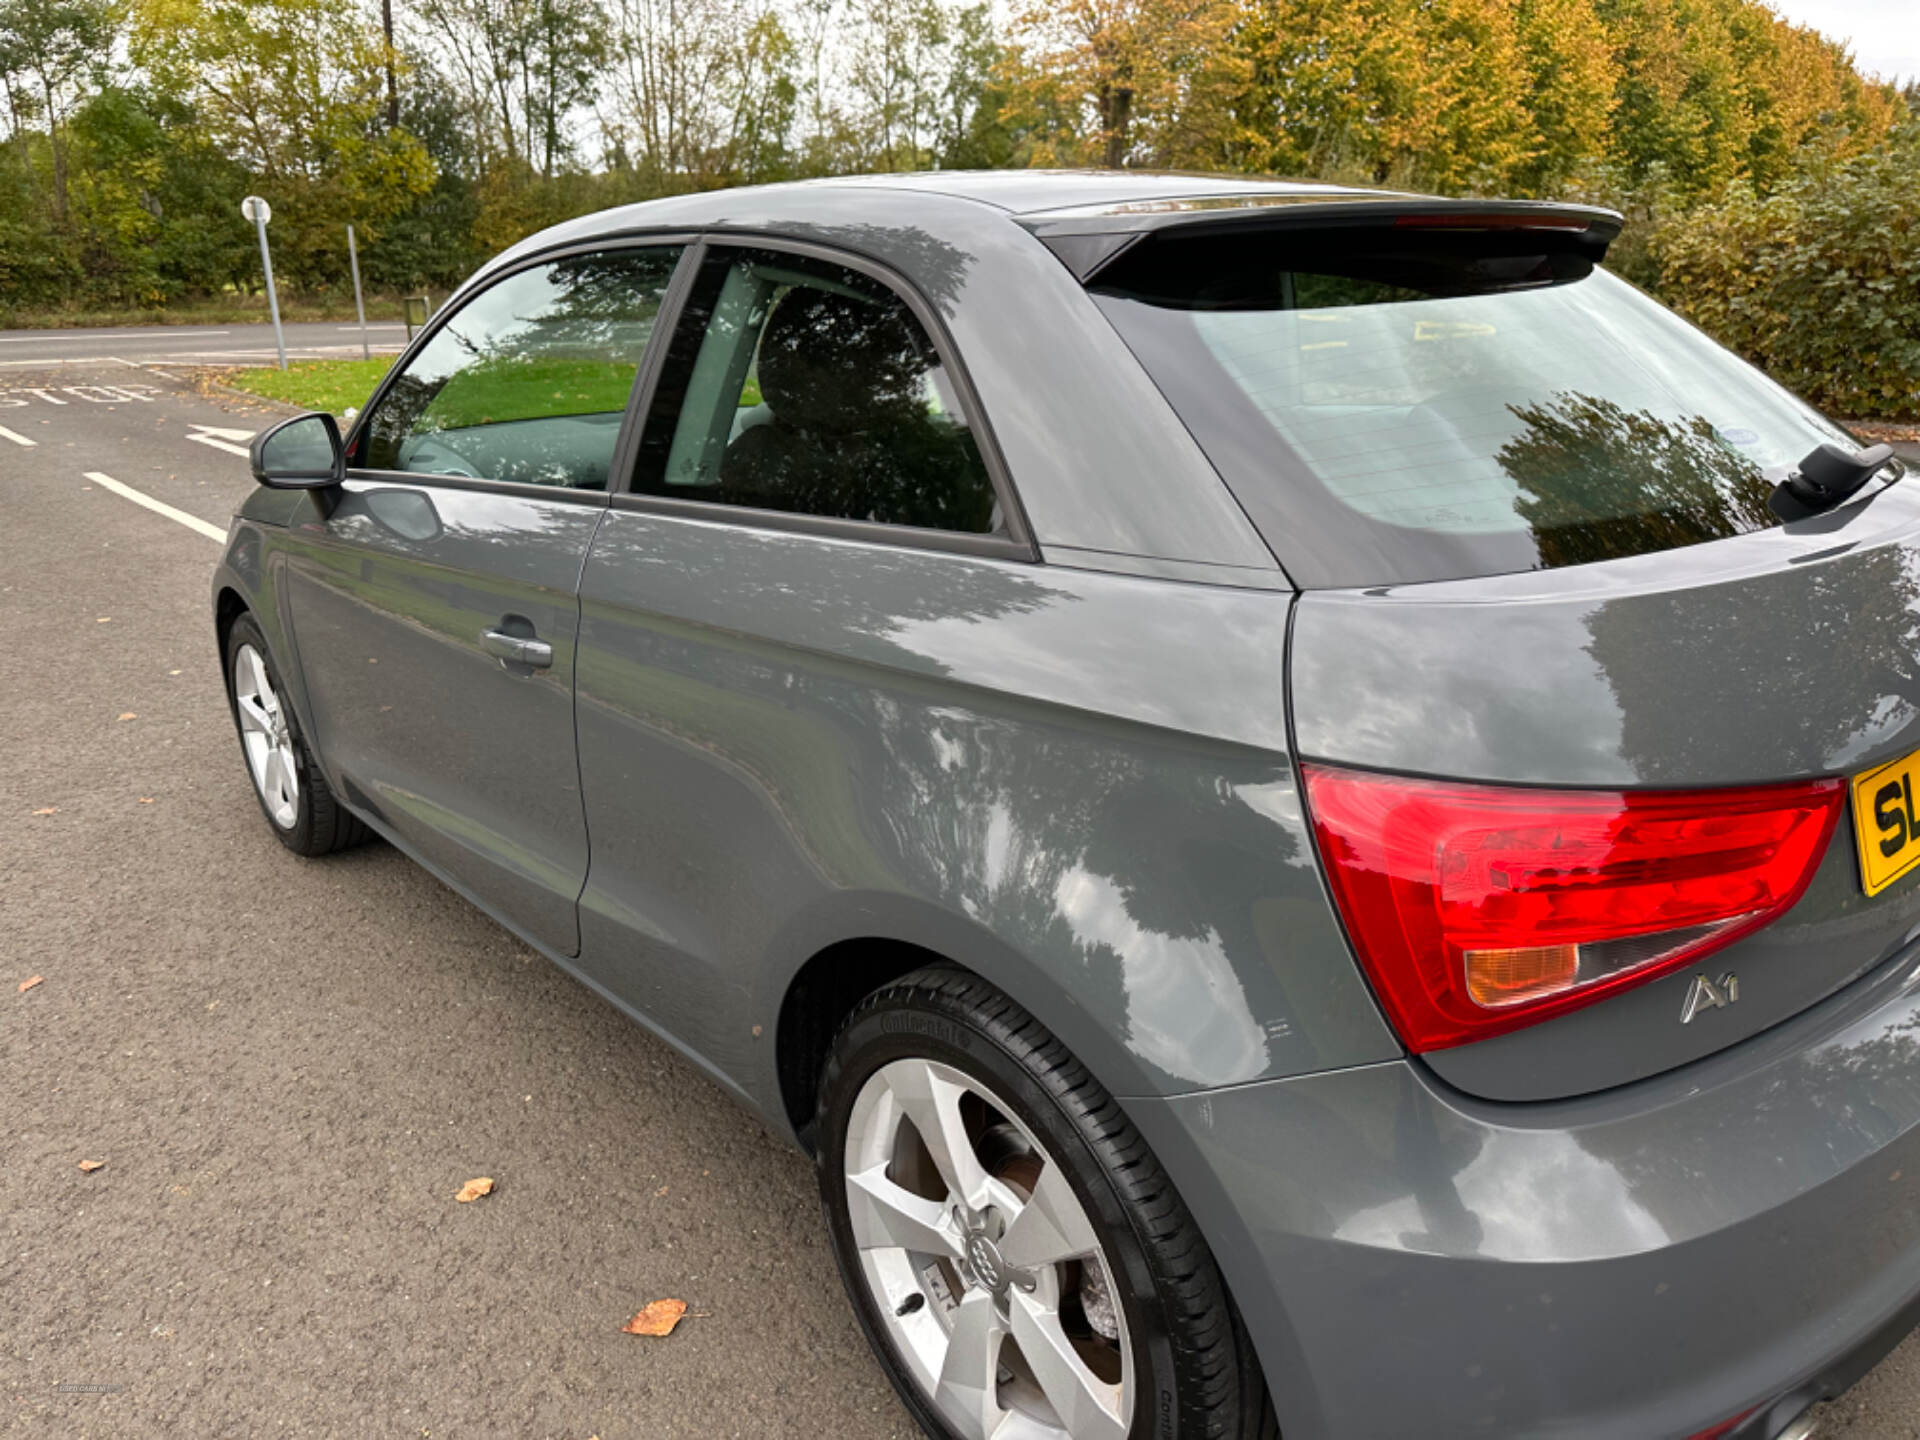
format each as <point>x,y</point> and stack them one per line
<point>983,1263</point>
<point>266,738</point>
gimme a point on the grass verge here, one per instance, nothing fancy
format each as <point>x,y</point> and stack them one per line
<point>332,385</point>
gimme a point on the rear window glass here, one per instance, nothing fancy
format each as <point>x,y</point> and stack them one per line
<point>1404,407</point>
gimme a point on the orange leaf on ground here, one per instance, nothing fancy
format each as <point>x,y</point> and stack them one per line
<point>474,1189</point>
<point>146,799</point>
<point>128,715</point>
<point>26,985</point>
<point>48,810</point>
<point>659,1318</point>
<point>87,1167</point>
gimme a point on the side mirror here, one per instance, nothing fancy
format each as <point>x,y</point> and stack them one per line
<point>303,453</point>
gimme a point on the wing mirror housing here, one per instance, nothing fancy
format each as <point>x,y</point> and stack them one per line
<point>304,453</point>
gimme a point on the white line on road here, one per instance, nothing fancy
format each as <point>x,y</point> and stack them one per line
<point>6,434</point>
<point>375,325</point>
<point>221,439</point>
<point>159,507</point>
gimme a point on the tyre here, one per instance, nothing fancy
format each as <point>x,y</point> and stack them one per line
<point>1018,1260</point>
<point>293,794</point>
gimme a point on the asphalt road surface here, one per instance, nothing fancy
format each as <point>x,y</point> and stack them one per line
<point>187,345</point>
<point>289,1067</point>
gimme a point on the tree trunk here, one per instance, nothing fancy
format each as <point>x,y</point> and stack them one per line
<point>1116,106</point>
<point>59,151</point>
<point>393,83</point>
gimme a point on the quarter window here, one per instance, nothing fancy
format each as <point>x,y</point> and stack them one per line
<point>528,382</point>
<point>800,386</point>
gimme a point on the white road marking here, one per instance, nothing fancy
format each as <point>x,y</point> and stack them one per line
<point>159,507</point>
<point>6,434</point>
<point>216,437</point>
<point>372,325</point>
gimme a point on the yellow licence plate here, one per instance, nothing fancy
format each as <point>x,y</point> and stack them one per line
<point>1886,821</point>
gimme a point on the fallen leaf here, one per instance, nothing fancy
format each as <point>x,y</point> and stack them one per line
<point>87,1167</point>
<point>659,1318</point>
<point>146,799</point>
<point>102,619</point>
<point>26,985</point>
<point>128,715</point>
<point>48,810</point>
<point>172,672</point>
<point>661,1191</point>
<point>474,1189</point>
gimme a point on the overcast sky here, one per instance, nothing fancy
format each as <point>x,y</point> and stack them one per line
<point>1883,34</point>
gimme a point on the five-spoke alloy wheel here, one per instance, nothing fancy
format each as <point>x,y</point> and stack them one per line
<point>263,734</point>
<point>994,1288</point>
<point>286,781</point>
<point>1020,1263</point>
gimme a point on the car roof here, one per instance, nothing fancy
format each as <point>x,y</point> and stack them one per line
<point>1031,192</point>
<point>1017,193</point>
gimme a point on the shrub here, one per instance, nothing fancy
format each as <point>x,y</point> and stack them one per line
<point>1818,283</point>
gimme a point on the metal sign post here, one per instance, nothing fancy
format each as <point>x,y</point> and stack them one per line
<point>359,305</point>
<point>258,211</point>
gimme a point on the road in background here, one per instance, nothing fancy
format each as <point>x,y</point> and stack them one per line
<point>290,1066</point>
<point>190,344</point>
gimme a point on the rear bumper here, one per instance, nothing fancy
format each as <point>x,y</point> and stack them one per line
<point>1648,1262</point>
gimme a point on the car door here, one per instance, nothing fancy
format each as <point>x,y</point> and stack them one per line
<point>807,485</point>
<point>434,605</point>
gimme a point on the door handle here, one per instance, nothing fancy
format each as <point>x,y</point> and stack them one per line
<point>517,649</point>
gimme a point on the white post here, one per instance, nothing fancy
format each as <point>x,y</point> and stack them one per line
<point>359,305</point>
<point>258,211</point>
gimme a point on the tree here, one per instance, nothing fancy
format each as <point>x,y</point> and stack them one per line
<point>293,90</point>
<point>1131,80</point>
<point>49,51</point>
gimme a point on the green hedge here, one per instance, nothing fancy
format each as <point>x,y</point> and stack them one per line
<point>1818,284</point>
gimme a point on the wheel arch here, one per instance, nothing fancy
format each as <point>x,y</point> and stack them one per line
<point>879,938</point>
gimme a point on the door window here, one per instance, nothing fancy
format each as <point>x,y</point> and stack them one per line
<point>528,382</point>
<point>806,387</point>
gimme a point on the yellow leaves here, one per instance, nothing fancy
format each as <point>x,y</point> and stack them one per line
<point>658,1318</point>
<point>30,982</point>
<point>474,1189</point>
<point>46,810</point>
<point>87,1167</point>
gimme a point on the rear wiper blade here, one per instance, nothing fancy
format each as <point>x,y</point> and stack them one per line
<point>1823,479</point>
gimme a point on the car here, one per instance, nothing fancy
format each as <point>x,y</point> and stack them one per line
<point>1302,798</point>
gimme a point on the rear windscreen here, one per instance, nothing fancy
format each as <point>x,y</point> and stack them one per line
<point>1394,406</point>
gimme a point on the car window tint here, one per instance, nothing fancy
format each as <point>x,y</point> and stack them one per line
<point>529,380</point>
<point>810,388</point>
<point>1401,406</point>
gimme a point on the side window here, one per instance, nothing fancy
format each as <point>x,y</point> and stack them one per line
<point>806,387</point>
<point>529,380</point>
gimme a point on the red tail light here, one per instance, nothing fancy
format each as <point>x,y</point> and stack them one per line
<point>1477,909</point>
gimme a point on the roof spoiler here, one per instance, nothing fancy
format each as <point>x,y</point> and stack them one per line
<point>1089,238</point>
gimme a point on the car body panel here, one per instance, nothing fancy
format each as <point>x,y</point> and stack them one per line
<point>1642,1264</point>
<point>472,765</point>
<point>1777,655</point>
<point>786,734</point>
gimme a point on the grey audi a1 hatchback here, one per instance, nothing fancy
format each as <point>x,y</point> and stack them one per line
<point>1303,799</point>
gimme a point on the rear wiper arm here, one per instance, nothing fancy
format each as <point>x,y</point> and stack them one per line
<point>1823,479</point>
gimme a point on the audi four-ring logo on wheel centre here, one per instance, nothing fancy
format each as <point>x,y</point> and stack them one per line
<point>984,1256</point>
